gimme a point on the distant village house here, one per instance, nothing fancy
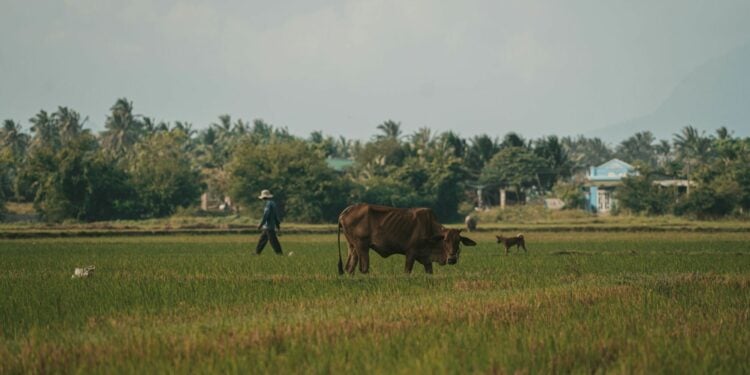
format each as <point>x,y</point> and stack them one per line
<point>603,181</point>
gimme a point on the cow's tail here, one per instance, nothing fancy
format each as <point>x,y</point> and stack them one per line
<point>341,262</point>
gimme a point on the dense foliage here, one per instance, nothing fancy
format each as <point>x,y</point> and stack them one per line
<point>718,169</point>
<point>138,168</point>
<point>308,190</point>
<point>640,195</point>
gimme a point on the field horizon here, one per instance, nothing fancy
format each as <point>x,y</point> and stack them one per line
<point>514,219</point>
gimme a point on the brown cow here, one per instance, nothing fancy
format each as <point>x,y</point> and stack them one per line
<point>414,232</point>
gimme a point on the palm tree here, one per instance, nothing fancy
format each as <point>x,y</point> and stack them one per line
<point>16,142</point>
<point>316,137</point>
<point>240,128</point>
<point>205,147</point>
<point>692,148</point>
<point>185,127</point>
<point>558,164</point>
<point>723,133</point>
<point>215,142</point>
<point>208,137</point>
<point>390,129</point>
<point>513,140</point>
<point>726,147</point>
<point>481,148</point>
<point>586,152</point>
<point>45,131</point>
<point>444,149</point>
<point>13,138</point>
<point>261,131</point>
<point>663,152</point>
<point>69,123</point>
<point>343,147</point>
<point>422,140</point>
<point>224,125</point>
<point>149,125</point>
<point>639,147</point>
<point>324,145</point>
<point>454,141</point>
<point>123,129</point>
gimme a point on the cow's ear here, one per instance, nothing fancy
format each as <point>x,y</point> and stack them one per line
<point>468,241</point>
<point>436,238</point>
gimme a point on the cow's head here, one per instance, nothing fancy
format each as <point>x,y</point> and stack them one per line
<point>449,243</point>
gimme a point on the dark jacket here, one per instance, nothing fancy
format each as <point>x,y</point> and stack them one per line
<point>270,218</point>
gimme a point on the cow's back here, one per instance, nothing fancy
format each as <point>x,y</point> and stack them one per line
<point>395,229</point>
<point>365,220</point>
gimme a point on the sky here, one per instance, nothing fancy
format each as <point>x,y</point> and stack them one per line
<point>343,67</point>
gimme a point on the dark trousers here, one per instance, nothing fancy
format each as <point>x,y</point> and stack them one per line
<point>266,235</point>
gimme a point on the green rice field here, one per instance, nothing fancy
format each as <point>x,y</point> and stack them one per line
<point>578,302</point>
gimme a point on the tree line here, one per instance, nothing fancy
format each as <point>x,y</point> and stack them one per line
<point>138,168</point>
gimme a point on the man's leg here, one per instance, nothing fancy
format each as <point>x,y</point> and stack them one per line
<point>262,241</point>
<point>275,242</point>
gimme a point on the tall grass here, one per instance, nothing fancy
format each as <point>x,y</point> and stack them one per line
<point>578,302</point>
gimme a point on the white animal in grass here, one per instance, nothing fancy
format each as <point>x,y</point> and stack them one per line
<point>83,272</point>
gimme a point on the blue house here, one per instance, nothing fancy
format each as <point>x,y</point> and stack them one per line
<point>602,181</point>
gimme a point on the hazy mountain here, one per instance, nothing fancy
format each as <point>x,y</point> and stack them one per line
<point>714,95</point>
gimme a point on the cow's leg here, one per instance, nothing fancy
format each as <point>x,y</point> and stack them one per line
<point>506,250</point>
<point>427,263</point>
<point>351,261</point>
<point>409,263</point>
<point>364,260</point>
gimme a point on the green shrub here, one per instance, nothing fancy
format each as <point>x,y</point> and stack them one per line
<point>304,187</point>
<point>571,194</point>
<point>162,175</point>
<point>709,202</point>
<point>640,195</point>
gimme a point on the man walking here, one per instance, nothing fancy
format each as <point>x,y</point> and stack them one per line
<point>269,223</point>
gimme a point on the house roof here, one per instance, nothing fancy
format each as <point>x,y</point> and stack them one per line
<point>339,164</point>
<point>673,182</point>
<point>603,183</point>
<point>616,164</point>
<point>613,170</point>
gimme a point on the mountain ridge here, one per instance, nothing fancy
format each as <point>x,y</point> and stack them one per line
<point>713,95</point>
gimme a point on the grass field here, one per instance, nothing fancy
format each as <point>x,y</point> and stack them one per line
<point>669,302</point>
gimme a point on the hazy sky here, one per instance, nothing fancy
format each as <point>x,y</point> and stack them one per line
<point>534,67</point>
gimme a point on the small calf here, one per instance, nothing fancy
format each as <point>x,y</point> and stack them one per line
<point>471,223</point>
<point>83,272</point>
<point>508,242</point>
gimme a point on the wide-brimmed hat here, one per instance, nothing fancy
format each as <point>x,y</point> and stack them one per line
<point>265,194</point>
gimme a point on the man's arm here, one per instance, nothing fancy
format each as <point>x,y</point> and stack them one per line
<point>276,217</point>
